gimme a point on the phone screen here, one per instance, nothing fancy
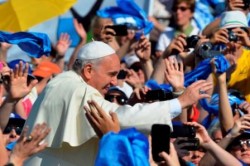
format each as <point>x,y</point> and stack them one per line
<point>160,134</point>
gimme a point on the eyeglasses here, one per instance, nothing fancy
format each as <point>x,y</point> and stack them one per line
<point>182,8</point>
<point>240,143</point>
<point>120,99</point>
<point>17,129</point>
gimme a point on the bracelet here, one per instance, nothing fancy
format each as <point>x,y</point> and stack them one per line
<point>176,94</point>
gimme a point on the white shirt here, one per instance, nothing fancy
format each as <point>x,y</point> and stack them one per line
<point>72,141</point>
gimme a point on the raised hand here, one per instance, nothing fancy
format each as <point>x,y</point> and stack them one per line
<point>174,74</point>
<point>243,36</point>
<point>245,107</point>
<point>143,48</point>
<point>28,145</point>
<point>99,119</point>
<point>107,35</point>
<point>80,30</point>
<point>235,5</point>
<point>195,92</point>
<point>17,83</point>
<point>220,36</point>
<point>63,44</point>
<point>201,132</point>
<point>240,125</point>
<point>170,159</point>
<point>221,77</point>
<point>133,79</point>
<point>176,46</point>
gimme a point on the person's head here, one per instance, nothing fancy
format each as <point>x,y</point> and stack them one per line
<point>133,62</point>
<point>217,135</point>
<point>14,128</point>
<point>230,20</point>
<point>98,65</point>
<point>183,12</point>
<point>98,24</point>
<point>240,148</point>
<point>116,95</point>
<point>194,156</point>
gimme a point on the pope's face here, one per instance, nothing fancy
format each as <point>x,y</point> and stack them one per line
<point>105,74</point>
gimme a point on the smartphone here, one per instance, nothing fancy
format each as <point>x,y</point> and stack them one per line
<point>158,94</point>
<point>122,74</point>
<point>183,131</point>
<point>120,30</point>
<point>160,134</point>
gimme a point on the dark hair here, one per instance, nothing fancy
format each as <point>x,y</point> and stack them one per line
<point>236,140</point>
<point>190,3</point>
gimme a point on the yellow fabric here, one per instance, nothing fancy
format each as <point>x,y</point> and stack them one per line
<point>19,15</point>
<point>240,78</point>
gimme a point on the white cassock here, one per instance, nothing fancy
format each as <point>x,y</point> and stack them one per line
<point>72,141</point>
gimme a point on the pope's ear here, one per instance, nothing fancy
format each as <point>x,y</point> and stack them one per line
<point>87,71</point>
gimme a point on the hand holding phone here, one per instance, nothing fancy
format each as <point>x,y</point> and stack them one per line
<point>120,30</point>
<point>160,134</point>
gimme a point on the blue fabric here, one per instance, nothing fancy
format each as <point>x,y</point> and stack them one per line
<point>202,15</point>
<point>11,146</point>
<point>204,68</point>
<point>69,29</point>
<point>128,147</point>
<point>153,85</point>
<point>201,72</point>
<point>128,12</point>
<point>213,106</point>
<point>35,44</point>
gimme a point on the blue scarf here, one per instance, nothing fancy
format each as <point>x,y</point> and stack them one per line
<point>128,12</point>
<point>202,71</point>
<point>35,44</point>
<point>128,147</point>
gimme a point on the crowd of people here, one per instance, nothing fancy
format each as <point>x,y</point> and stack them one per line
<point>178,95</point>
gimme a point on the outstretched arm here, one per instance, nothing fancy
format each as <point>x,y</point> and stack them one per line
<point>222,157</point>
<point>17,88</point>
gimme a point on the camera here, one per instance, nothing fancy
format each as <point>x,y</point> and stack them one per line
<point>183,131</point>
<point>158,94</point>
<point>192,41</point>
<point>205,51</point>
<point>232,36</point>
<point>122,74</point>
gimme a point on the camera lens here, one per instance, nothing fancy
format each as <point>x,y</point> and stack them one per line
<point>232,36</point>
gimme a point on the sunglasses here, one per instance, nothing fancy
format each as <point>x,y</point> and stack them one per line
<point>240,143</point>
<point>181,8</point>
<point>17,129</point>
<point>120,99</point>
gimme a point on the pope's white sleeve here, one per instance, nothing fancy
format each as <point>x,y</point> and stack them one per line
<point>143,115</point>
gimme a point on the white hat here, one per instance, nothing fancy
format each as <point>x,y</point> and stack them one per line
<point>233,19</point>
<point>130,60</point>
<point>126,89</point>
<point>95,50</point>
